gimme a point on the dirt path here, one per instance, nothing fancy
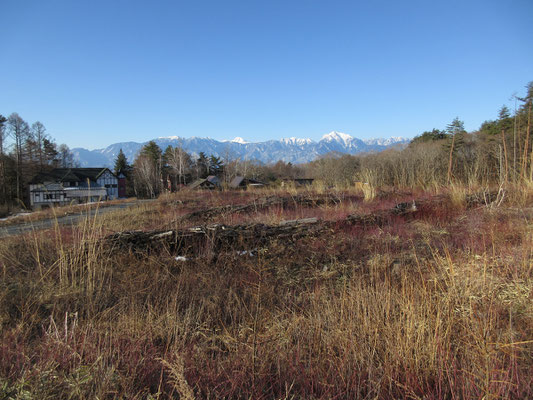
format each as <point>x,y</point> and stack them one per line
<point>66,220</point>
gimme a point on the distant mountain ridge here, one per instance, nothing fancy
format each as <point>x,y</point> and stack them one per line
<point>294,150</point>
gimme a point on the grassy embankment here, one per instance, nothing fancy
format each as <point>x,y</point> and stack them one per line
<point>434,306</point>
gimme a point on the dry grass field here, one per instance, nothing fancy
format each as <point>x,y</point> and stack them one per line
<point>433,303</point>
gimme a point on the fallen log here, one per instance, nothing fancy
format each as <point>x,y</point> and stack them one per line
<point>220,237</point>
<point>382,217</point>
<point>239,237</point>
<point>215,237</point>
<point>259,205</point>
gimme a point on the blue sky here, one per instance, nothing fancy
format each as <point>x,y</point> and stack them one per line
<point>99,72</point>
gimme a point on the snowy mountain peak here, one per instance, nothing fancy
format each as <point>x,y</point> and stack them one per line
<point>295,150</point>
<point>239,140</point>
<point>295,140</point>
<point>170,137</point>
<point>385,142</point>
<point>340,137</point>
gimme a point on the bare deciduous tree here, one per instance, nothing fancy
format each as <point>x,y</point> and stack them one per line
<point>146,176</point>
<point>19,130</point>
<point>179,162</point>
<point>3,136</point>
<point>39,134</point>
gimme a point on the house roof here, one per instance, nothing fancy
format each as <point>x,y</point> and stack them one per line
<point>242,181</point>
<point>197,183</point>
<point>211,180</point>
<point>236,182</point>
<point>69,175</point>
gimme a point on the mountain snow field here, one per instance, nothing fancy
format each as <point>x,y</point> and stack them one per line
<point>294,150</point>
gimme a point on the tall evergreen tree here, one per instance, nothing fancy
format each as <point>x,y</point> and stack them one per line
<point>505,123</point>
<point>202,165</point>
<point>153,151</point>
<point>456,130</point>
<point>215,165</point>
<point>121,163</point>
<point>51,156</point>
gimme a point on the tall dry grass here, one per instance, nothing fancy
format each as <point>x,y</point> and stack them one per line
<point>436,308</point>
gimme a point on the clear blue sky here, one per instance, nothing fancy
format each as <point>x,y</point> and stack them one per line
<point>99,72</point>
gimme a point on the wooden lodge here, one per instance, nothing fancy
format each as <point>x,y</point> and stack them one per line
<point>62,186</point>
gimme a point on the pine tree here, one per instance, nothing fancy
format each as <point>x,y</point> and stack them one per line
<point>202,165</point>
<point>505,123</point>
<point>121,163</point>
<point>50,152</point>
<point>215,165</point>
<point>152,151</point>
<point>456,130</point>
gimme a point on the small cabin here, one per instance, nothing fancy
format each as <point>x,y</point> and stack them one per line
<point>211,182</point>
<point>240,182</point>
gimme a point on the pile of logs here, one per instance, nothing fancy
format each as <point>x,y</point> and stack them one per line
<point>220,237</point>
<point>217,237</point>
<point>262,204</point>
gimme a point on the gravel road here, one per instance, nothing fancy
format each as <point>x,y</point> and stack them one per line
<point>66,220</point>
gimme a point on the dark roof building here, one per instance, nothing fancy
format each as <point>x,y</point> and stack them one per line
<point>211,182</point>
<point>63,175</point>
<point>66,185</point>
<point>240,182</point>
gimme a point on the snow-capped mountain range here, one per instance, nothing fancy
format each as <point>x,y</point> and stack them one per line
<point>292,149</point>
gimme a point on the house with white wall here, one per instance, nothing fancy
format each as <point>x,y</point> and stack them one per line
<point>62,186</point>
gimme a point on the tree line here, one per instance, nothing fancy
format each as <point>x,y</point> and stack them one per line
<point>155,170</point>
<point>26,150</point>
<point>499,151</point>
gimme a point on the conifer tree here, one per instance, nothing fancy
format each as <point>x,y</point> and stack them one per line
<point>121,163</point>
<point>456,131</point>
<point>202,165</point>
<point>215,165</point>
